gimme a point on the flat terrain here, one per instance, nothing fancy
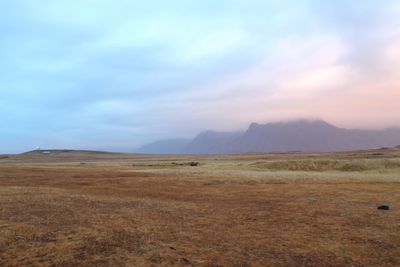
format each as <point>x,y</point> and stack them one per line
<point>74,208</point>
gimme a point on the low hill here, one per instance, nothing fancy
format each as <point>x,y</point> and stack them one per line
<point>67,155</point>
<point>64,151</point>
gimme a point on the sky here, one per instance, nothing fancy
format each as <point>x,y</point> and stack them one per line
<point>113,75</point>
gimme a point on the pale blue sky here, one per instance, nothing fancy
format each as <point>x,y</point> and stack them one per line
<point>97,74</point>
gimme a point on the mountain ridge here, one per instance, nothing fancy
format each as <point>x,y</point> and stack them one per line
<point>298,135</point>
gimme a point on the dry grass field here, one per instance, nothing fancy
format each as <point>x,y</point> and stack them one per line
<point>100,209</point>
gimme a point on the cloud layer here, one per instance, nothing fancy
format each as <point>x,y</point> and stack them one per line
<point>115,74</point>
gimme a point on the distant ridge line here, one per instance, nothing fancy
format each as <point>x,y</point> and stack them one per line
<point>296,135</point>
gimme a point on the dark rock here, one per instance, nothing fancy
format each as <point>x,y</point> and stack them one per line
<point>383,207</point>
<point>186,261</point>
<point>194,164</point>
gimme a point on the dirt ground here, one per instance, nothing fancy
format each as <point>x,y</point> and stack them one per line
<point>95,209</point>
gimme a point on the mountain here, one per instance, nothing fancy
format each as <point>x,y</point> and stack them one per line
<point>316,136</point>
<point>301,135</point>
<point>289,136</point>
<point>168,146</point>
<point>211,142</point>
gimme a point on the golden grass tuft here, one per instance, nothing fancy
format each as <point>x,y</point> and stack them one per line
<point>329,165</point>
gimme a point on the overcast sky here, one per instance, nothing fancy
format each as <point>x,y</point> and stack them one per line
<point>114,74</point>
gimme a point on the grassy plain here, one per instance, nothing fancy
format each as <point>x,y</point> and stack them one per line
<point>71,208</point>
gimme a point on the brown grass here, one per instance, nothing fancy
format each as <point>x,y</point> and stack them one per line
<point>330,165</point>
<point>124,210</point>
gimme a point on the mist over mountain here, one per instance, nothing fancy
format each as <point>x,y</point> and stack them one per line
<point>211,142</point>
<point>300,135</point>
<point>168,146</point>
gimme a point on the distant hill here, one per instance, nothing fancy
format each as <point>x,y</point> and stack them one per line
<point>69,155</point>
<point>301,135</point>
<point>64,151</point>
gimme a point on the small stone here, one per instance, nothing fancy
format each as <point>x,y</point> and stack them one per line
<point>185,261</point>
<point>383,207</point>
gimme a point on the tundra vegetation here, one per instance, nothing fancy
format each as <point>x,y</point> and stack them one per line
<point>76,208</point>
